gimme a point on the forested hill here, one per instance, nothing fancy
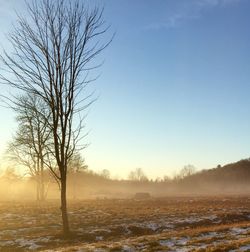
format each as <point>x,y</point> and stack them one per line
<point>234,172</point>
<point>234,177</point>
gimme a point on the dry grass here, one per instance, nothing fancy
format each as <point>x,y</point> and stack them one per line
<point>169,224</point>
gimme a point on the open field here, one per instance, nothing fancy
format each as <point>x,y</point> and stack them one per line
<point>160,224</point>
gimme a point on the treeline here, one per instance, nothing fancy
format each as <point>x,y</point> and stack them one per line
<point>84,183</point>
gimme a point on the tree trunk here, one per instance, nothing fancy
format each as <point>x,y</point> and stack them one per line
<point>42,196</point>
<point>42,192</point>
<point>64,207</point>
<point>38,180</point>
<point>37,189</point>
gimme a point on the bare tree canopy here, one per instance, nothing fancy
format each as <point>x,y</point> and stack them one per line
<point>53,53</point>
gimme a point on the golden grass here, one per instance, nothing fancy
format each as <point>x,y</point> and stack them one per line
<point>120,223</point>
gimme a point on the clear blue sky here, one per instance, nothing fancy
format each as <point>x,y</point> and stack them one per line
<point>174,88</point>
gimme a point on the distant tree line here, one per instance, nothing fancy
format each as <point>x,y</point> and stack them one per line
<point>84,183</point>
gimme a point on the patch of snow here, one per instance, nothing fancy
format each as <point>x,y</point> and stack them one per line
<point>211,217</point>
<point>8,232</point>
<point>245,248</point>
<point>175,243</point>
<point>127,230</point>
<point>7,243</point>
<point>153,226</point>
<point>182,241</point>
<point>208,235</point>
<point>203,246</point>
<point>168,227</point>
<point>141,246</point>
<point>10,216</point>
<point>238,231</point>
<point>167,243</point>
<point>99,238</point>
<point>34,246</point>
<point>189,220</point>
<point>43,239</point>
<point>127,248</point>
<point>183,249</point>
<point>100,230</point>
<point>29,244</point>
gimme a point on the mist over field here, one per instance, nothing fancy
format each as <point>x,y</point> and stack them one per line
<point>231,179</point>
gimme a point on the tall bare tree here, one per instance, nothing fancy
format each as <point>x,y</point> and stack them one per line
<point>54,51</point>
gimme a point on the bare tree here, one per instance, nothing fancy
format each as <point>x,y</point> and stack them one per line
<point>54,51</point>
<point>76,166</point>
<point>10,178</point>
<point>166,178</point>
<point>31,143</point>
<point>77,163</point>
<point>105,173</point>
<point>137,175</point>
<point>187,171</point>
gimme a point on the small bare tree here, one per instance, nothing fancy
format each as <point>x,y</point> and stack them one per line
<point>54,50</point>
<point>105,173</point>
<point>76,166</point>
<point>187,171</point>
<point>31,143</point>
<point>137,175</point>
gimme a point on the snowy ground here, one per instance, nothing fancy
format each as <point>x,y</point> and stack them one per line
<point>182,224</point>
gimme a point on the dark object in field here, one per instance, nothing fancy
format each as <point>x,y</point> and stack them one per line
<point>142,195</point>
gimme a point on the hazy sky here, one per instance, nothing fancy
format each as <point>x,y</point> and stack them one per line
<point>174,88</point>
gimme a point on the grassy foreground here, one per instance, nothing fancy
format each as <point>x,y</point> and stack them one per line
<point>157,224</point>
